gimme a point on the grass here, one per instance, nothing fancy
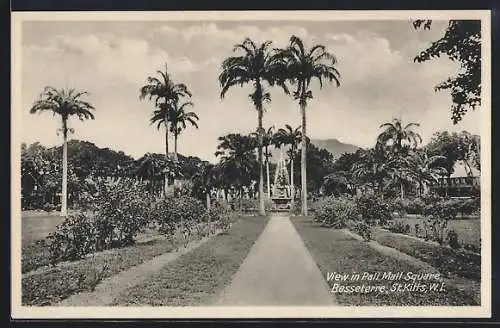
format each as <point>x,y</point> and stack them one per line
<point>197,277</point>
<point>446,260</point>
<point>55,284</point>
<point>36,227</point>
<point>335,251</point>
<point>468,230</point>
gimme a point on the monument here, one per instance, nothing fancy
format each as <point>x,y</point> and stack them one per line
<point>281,195</point>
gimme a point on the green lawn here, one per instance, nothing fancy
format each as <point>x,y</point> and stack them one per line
<point>198,277</point>
<point>334,251</point>
<point>468,230</point>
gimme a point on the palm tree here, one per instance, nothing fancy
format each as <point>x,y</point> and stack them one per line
<point>399,142</point>
<point>66,103</point>
<point>426,169</point>
<point>302,66</point>
<point>397,137</point>
<point>372,169</point>
<point>292,137</point>
<point>267,141</point>
<point>165,93</point>
<point>258,66</point>
<point>178,119</point>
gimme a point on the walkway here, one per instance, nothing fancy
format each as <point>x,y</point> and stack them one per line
<point>278,271</point>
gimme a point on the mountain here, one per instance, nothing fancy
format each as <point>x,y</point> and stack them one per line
<point>334,146</point>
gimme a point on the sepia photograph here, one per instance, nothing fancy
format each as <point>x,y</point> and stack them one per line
<point>251,164</point>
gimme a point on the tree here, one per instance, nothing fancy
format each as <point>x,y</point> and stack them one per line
<point>258,66</point>
<point>398,141</point>
<point>371,169</point>
<point>302,66</point>
<point>237,159</point>
<point>165,92</point>
<point>342,179</point>
<point>204,181</point>
<point>66,103</point>
<point>291,137</point>
<point>321,160</point>
<point>461,42</point>
<point>425,168</point>
<point>151,167</point>
<point>178,119</point>
<point>456,147</point>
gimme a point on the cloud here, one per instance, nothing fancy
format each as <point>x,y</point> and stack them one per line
<point>379,81</point>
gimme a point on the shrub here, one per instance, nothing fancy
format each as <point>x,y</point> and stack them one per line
<point>418,230</point>
<point>335,212</point>
<point>363,229</point>
<point>373,209</point>
<point>399,227</point>
<point>296,207</point>
<point>119,212</point>
<point>74,238</point>
<point>470,206</point>
<point>446,209</point>
<point>400,206</point>
<point>471,248</point>
<point>252,204</point>
<point>415,206</point>
<point>48,207</point>
<point>170,212</point>
<point>435,229</point>
<point>453,239</point>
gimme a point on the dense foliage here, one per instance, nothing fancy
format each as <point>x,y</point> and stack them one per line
<point>461,43</point>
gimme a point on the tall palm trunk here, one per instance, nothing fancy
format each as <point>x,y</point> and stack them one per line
<point>208,200</point>
<point>64,194</point>
<point>291,178</point>
<point>303,163</point>
<point>175,148</point>
<point>267,177</point>
<point>165,188</point>
<point>262,210</point>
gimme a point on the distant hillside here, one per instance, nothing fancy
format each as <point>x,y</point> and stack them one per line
<point>334,146</point>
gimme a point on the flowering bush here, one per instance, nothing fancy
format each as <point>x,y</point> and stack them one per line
<point>334,212</point>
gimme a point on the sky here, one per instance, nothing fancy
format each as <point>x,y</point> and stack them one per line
<point>111,60</point>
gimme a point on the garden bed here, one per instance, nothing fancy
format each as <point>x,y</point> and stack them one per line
<point>468,230</point>
<point>447,260</point>
<point>196,278</point>
<point>335,251</point>
<point>48,286</point>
